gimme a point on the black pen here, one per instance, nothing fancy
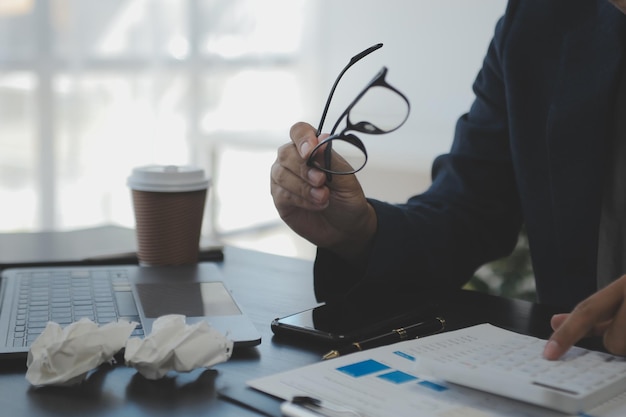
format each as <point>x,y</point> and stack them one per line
<point>414,331</point>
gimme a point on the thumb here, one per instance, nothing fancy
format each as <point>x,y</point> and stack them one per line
<point>304,138</point>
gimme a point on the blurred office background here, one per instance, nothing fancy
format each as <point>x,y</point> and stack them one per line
<point>91,88</point>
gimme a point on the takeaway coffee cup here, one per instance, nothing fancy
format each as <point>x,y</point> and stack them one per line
<point>168,203</point>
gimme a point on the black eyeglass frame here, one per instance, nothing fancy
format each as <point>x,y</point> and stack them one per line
<point>362,127</point>
<point>352,61</point>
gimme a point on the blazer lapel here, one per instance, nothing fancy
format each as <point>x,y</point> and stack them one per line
<point>580,127</point>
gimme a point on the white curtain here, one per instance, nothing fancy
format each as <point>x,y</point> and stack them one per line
<point>91,88</point>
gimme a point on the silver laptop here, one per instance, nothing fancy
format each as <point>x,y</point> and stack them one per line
<point>30,297</point>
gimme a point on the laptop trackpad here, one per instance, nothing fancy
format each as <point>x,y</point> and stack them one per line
<point>194,299</point>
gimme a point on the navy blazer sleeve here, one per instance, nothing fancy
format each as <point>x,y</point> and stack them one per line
<point>533,148</point>
<point>470,215</point>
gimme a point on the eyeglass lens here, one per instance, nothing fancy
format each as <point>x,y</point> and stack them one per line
<point>379,109</point>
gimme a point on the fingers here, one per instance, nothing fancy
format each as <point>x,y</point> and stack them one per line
<point>598,329</point>
<point>557,320</point>
<point>615,334</point>
<point>602,313</point>
<point>304,138</point>
<point>292,188</point>
<point>293,183</point>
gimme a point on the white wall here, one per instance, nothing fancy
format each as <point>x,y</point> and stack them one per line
<point>433,49</point>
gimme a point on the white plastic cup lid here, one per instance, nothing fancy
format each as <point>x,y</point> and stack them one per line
<point>167,178</point>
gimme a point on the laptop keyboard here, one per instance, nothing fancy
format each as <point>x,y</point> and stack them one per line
<point>67,296</point>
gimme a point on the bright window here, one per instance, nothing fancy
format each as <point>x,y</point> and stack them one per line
<point>91,88</point>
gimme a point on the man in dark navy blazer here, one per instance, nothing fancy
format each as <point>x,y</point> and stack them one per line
<point>538,147</point>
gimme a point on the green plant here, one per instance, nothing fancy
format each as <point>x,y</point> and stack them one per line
<point>511,276</point>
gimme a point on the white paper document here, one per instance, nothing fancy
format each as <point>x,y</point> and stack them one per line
<point>390,382</point>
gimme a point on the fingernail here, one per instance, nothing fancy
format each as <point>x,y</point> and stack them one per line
<point>315,176</point>
<point>318,195</point>
<point>552,350</point>
<point>304,149</point>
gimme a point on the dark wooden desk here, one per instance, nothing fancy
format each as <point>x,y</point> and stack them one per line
<point>267,286</point>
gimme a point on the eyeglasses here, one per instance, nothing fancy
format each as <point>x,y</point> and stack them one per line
<point>345,150</point>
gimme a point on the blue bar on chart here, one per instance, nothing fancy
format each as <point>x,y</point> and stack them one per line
<point>433,386</point>
<point>397,377</point>
<point>404,355</point>
<point>363,368</point>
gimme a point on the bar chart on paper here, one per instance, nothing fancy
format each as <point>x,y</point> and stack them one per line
<point>385,384</point>
<point>389,381</point>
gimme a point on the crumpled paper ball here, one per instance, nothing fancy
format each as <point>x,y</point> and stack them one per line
<point>64,356</point>
<point>174,345</point>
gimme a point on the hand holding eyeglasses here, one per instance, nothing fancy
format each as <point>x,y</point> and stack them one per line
<point>334,214</point>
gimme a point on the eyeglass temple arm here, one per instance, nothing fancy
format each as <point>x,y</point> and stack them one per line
<point>353,61</point>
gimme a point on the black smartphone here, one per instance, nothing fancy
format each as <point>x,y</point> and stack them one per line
<point>334,325</point>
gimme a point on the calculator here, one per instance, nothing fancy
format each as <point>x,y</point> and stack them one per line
<point>499,361</point>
